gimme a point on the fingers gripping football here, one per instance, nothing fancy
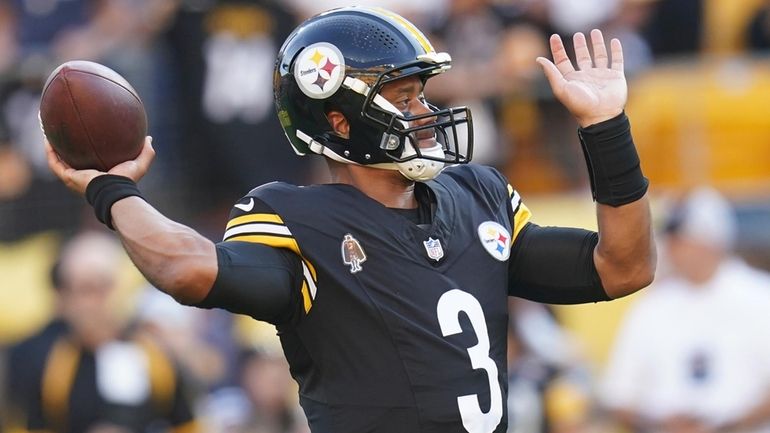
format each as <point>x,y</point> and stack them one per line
<point>77,180</point>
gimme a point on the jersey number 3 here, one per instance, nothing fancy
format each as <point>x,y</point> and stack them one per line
<point>449,307</point>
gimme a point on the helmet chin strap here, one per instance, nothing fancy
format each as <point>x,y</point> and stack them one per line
<point>421,169</point>
<point>417,169</point>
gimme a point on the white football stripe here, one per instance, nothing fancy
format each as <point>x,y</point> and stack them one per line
<point>309,279</point>
<point>515,199</point>
<point>258,228</point>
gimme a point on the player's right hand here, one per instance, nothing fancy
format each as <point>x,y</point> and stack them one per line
<point>78,180</point>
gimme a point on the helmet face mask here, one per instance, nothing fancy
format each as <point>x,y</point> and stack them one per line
<point>340,61</point>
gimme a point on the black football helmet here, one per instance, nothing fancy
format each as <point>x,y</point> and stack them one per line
<point>340,60</point>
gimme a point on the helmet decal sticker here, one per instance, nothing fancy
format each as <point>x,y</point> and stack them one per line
<point>319,70</point>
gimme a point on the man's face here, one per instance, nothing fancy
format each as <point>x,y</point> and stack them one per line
<point>695,261</point>
<point>88,293</point>
<point>406,95</point>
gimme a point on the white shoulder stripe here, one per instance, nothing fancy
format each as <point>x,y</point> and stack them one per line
<point>309,279</point>
<point>258,228</point>
<point>515,199</point>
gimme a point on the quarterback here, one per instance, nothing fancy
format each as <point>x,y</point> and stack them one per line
<point>389,285</point>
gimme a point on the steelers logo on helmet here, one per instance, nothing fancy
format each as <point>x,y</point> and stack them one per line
<point>320,70</point>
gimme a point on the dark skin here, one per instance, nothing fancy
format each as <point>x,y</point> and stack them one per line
<point>181,262</point>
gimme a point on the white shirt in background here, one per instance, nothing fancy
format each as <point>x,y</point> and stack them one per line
<point>701,351</point>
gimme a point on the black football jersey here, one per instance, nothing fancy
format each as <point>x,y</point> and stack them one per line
<point>401,327</point>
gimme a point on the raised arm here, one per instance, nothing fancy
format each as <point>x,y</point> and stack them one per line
<point>173,257</point>
<point>596,95</point>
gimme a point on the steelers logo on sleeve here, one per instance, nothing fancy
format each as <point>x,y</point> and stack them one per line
<point>495,239</point>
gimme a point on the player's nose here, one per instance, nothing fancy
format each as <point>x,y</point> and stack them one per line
<point>420,108</point>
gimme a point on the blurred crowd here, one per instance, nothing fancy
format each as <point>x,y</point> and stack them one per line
<point>111,359</point>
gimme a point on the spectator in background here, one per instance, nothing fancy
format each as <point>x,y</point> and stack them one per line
<point>224,53</point>
<point>126,35</point>
<point>627,25</point>
<point>569,16</point>
<point>269,388</point>
<point>758,32</point>
<point>693,354</point>
<point>35,36</point>
<point>263,402</point>
<point>181,332</point>
<point>93,373</point>
<point>549,388</point>
<point>417,12</point>
<point>27,359</point>
<point>474,31</point>
<point>27,197</point>
<point>676,27</point>
<point>8,47</point>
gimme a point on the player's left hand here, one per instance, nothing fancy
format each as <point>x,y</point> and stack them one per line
<point>597,90</point>
<point>78,180</point>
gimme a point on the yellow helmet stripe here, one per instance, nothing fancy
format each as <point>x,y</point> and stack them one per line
<point>409,27</point>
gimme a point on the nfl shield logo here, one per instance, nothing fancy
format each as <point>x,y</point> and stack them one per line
<point>433,247</point>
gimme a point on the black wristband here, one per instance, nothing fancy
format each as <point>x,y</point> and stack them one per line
<point>613,164</point>
<point>103,191</point>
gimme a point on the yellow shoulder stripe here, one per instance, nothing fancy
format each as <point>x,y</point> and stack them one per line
<point>277,242</point>
<point>520,219</point>
<point>306,298</point>
<point>254,218</point>
<point>510,191</point>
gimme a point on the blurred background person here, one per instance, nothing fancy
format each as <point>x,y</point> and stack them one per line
<point>758,31</point>
<point>26,360</point>
<point>264,400</point>
<point>693,355</point>
<point>90,372</point>
<point>223,54</point>
<point>549,384</point>
<point>184,333</point>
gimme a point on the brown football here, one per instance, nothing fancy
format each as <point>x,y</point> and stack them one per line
<point>92,116</point>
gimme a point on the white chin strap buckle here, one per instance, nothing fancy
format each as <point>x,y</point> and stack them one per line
<point>422,169</point>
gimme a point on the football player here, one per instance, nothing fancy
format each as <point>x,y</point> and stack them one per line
<point>388,286</point>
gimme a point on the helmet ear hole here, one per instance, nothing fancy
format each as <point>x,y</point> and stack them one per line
<point>338,123</point>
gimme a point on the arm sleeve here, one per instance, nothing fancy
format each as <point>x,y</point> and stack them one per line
<point>257,280</point>
<point>555,265</point>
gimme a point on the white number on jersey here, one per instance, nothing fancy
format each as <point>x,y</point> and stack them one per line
<point>449,306</point>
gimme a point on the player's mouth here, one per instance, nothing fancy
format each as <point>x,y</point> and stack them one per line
<point>425,138</point>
